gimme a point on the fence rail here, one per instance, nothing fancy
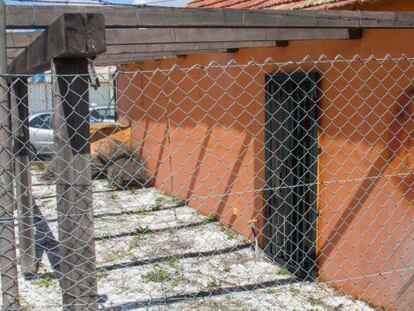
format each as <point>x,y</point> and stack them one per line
<point>249,186</point>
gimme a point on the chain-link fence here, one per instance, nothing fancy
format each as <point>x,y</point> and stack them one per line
<point>254,186</point>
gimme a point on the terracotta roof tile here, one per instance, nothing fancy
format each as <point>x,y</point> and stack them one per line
<point>274,4</point>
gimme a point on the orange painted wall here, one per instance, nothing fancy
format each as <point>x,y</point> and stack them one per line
<point>202,135</point>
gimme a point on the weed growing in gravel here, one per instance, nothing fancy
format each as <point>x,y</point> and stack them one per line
<point>158,275</point>
<point>113,195</point>
<point>177,202</point>
<point>212,282</point>
<point>283,271</point>
<point>109,257</point>
<point>316,301</point>
<point>174,263</point>
<point>294,290</point>
<point>44,281</point>
<point>273,290</point>
<point>103,273</point>
<point>115,186</point>
<point>211,217</point>
<point>230,234</point>
<point>159,202</point>
<point>138,235</point>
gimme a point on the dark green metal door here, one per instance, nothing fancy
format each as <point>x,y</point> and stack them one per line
<point>291,170</point>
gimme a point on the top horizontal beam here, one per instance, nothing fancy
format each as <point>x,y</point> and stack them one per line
<point>41,16</point>
<point>70,36</point>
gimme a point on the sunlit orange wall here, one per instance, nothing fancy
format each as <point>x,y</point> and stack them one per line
<point>202,135</point>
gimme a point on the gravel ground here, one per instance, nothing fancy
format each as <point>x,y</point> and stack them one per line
<point>154,253</point>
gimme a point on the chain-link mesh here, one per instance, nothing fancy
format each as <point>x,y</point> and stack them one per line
<point>254,186</point>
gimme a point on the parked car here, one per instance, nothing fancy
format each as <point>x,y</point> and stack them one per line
<point>41,132</point>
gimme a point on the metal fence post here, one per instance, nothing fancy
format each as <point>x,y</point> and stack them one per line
<point>8,262</point>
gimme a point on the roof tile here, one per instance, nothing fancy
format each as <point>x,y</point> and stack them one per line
<point>274,4</point>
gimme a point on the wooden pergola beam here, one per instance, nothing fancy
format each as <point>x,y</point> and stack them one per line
<point>196,47</point>
<point>32,16</point>
<point>117,59</point>
<point>71,35</point>
<point>161,36</point>
<point>187,35</point>
<point>170,42</point>
<point>20,39</point>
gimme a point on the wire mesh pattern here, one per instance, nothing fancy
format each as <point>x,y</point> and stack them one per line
<point>254,186</point>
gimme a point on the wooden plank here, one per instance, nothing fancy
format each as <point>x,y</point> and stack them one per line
<point>116,59</point>
<point>8,260</point>
<point>20,126</point>
<point>20,39</point>
<point>187,35</point>
<point>71,35</point>
<point>179,47</point>
<point>73,184</point>
<point>13,53</point>
<point>76,35</point>
<point>36,16</point>
<point>122,54</point>
<point>33,58</point>
<point>156,40</point>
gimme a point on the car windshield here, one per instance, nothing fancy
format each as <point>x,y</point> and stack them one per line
<point>41,121</point>
<point>104,114</point>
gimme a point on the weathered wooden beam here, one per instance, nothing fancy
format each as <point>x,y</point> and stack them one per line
<point>161,43</point>
<point>13,53</point>
<point>20,126</point>
<point>187,35</point>
<point>33,16</point>
<point>157,36</point>
<point>71,35</point>
<point>74,184</point>
<point>116,59</point>
<point>71,40</point>
<point>20,39</point>
<point>8,260</point>
<point>174,40</point>
<point>178,47</point>
<point>32,59</point>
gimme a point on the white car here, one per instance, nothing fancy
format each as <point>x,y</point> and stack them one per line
<point>41,132</point>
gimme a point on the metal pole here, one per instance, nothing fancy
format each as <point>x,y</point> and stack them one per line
<point>8,262</point>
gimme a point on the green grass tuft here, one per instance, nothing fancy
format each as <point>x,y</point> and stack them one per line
<point>230,234</point>
<point>102,273</point>
<point>158,275</point>
<point>212,282</point>
<point>283,271</point>
<point>138,235</point>
<point>211,217</point>
<point>294,290</point>
<point>316,301</point>
<point>45,281</point>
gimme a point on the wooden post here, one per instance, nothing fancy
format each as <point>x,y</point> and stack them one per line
<point>20,126</point>
<point>73,184</point>
<point>80,36</point>
<point>8,262</point>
